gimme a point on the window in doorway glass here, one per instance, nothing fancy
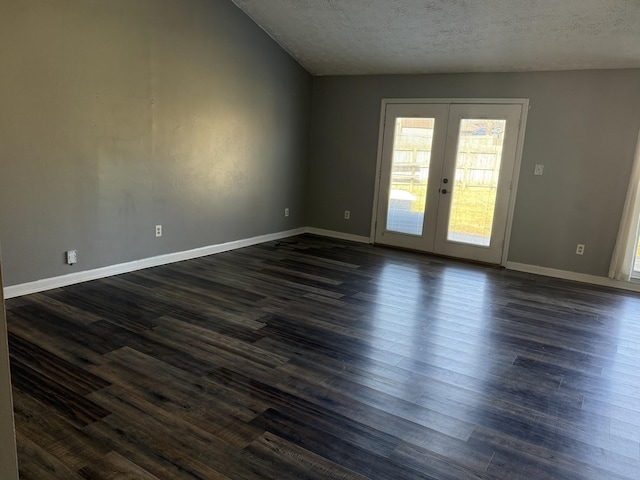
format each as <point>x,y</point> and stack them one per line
<point>410,175</point>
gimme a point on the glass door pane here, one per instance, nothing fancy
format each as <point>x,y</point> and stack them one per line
<point>446,176</point>
<point>477,170</point>
<point>412,144</point>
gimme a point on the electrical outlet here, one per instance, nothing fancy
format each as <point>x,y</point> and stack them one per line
<point>286,212</point>
<point>538,170</point>
<point>347,215</point>
<point>72,257</point>
<point>580,249</point>
<point>158,230</point>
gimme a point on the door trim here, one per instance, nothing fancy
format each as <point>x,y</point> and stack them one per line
<point>524,102</point>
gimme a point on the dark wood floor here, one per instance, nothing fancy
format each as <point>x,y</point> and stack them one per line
<point>319,359</point>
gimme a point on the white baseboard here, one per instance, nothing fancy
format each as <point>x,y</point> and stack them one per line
<point>79,277</point>
<point>576,277</point>
<point>338,235</point>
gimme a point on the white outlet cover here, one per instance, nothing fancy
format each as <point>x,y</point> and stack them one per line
<point>538,170</point>
<point>72,257</point>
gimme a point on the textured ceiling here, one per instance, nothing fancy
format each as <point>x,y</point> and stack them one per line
<point>355,37</point>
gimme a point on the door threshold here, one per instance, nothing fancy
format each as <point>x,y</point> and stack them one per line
<point>465,261</point>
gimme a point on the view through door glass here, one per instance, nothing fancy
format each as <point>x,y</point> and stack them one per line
<point>477,170</point>
<point>445,177</point>
<point>409,175</point>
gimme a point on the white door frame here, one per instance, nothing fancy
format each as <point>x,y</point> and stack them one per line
<point>524,102</point>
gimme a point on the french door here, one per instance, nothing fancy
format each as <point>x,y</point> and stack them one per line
<point>445,178</point>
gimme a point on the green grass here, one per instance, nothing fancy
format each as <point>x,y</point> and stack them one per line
<point>471,207</point>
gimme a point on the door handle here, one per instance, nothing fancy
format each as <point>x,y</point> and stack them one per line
<point>444,191</point>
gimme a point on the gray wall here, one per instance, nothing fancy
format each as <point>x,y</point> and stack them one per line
<point>582,126</point>
<point>8,459</point>
<point>117,115</point>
